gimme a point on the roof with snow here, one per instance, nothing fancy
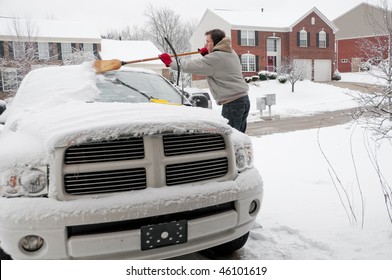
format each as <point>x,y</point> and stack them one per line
<point>129,50</point>
<point>266,19</point>
<point>48,30</point>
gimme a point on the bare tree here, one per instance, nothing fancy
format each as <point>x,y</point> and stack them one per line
<point>161,23</point>
<point>375,108</point>
<point>79,56</point>
<point>294,69</point>
<point>165,23</point>
<point>23,52</point>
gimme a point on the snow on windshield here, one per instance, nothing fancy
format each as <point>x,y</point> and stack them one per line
<point>51,86</point>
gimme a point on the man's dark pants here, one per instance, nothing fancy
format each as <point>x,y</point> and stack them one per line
<point>237,112</point>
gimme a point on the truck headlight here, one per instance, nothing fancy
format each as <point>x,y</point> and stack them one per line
<point>24,182</point>
<point>244,157</point>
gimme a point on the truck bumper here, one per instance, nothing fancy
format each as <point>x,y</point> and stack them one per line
<point>110,227</point>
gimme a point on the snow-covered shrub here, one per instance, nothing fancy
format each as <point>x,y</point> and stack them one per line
<point>336,76</point>
<point>255,78</point>
<point>263,75</point>
<point>272,75</point>
<point>282,79</point>
<point>248,79</point>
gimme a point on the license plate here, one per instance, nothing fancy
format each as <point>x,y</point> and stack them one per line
<point>161,235</point>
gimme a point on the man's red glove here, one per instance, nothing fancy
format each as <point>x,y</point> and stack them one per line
<point>166,59</point>
<point>203,51</point>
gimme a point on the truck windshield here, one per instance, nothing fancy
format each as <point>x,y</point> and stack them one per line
<point>135,87</point>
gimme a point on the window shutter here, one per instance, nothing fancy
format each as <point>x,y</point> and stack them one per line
<point>59,55</point>
<point>51,54</point>
<point>257,63</point>
<point>298,38</point>
<point>256,38</point>
<point>317,40</point>
<point>1,49</point>
<point>11,50</point>
<point>36,54</point>
<point>308,39</point>
<point>239,37</point>
<point>327,43</point>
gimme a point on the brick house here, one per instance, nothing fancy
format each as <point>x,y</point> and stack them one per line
<point>355,28</point>
<point>263,40</point>
<point>42,42</point>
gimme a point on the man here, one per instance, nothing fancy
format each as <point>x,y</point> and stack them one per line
<point>223,69</point>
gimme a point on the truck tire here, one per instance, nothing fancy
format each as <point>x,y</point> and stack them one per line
<point>231,246</point>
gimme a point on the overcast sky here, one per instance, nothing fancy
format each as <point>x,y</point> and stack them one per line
<point>116,14</point>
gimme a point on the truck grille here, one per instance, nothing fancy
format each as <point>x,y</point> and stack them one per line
<point>192,143</point>
<point>96,160</point>
<point>196,171</point>
<point>104,151</point>
<point>105,181</point>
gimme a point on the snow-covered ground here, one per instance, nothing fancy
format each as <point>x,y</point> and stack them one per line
<point>307,99</point>
<point>306,213</point>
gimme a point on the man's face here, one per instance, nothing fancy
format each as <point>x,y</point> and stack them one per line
<point>209,43</point>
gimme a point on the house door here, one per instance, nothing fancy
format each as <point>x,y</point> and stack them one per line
<point>355,64</point>
<point>322,70</point>
<point>271,63</point>
<point>273,54</point>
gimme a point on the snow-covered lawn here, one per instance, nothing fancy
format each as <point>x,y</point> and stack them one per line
<point>367,77</point>
<point>306,213</point>
<point>302,215</point>
<point>307,99</point>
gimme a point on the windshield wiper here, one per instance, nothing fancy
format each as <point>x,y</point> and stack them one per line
<point>119,82</point>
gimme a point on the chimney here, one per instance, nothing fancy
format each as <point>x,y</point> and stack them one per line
<point>262,10</point>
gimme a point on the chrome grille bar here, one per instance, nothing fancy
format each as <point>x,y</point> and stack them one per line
<point>104,151</point>
<point>192,143</point>
<point>196,171</point>
<point>105,181</point>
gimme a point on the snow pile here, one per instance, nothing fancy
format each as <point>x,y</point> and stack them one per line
<point>302,215</point>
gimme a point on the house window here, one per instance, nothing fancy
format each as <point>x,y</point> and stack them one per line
<point>19,50</point>
<point>272,45</point>
<point>248,62</point>
<point>88,48</point>
<point>248,38</point>
<point>344,60</point>
<point>322,39</point>
<point>43,50</point>
<point>313,21</point>
<point>66,50</point>
<point>303,38</point>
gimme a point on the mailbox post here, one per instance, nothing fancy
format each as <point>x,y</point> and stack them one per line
<point>270,100</point>
<point>260,103</point>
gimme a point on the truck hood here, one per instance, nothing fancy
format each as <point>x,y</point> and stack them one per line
<point>33,133</point>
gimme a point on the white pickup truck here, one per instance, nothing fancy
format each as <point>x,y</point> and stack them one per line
<point>119,166</point>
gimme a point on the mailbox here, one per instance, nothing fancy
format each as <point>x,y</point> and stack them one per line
<point>271,99</point>
<point>261,103</point>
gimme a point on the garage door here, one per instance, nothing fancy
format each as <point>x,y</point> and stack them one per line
<point>322,70</point>
<point>305,66</point>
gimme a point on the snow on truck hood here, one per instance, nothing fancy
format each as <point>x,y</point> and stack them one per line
<point>62,112</point>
